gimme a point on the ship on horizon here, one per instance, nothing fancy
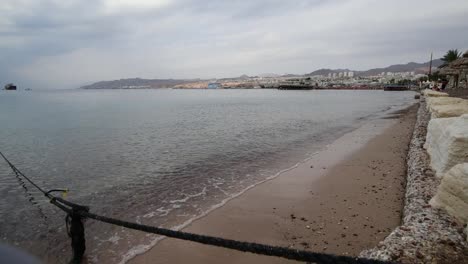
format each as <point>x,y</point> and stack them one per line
<point>10,87</point>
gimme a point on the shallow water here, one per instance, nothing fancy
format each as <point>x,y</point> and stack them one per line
<point>159,157</point>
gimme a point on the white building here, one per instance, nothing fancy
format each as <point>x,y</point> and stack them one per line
<point>340,74</point>
<point>351,74</point>
<point>334,75</point>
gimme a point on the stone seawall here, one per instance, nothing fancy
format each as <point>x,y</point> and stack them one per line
<point>426,235</point>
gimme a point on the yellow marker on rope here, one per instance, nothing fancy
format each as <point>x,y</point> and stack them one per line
<point>65,193</point>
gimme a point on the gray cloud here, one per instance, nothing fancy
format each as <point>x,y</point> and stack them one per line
<point>63,44</point>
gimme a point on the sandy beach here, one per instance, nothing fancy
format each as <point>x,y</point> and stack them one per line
<point>343,200</point>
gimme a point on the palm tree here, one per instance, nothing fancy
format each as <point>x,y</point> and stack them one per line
<point>450,56</point>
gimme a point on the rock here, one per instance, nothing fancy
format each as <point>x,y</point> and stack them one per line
<point>450,110</point>
<point>452,193</point>
<point>431,93</point>
<point>447,143</point>
<point>434,101</point>
<point>417,96</point>
<point>466,233</point>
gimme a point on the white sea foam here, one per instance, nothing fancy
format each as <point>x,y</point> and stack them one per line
<point>189,196</point>
<point>141,249</point>
<point>114,239</point>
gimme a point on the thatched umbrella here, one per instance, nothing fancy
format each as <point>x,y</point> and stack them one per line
<point>448,71</point>
<point>461,63</point>
<point>460,69</point>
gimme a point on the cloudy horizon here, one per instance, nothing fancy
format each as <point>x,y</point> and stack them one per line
<point>66,44</point>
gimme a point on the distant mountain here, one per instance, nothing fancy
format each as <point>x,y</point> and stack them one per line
<point>408,67</point>
<point>291,75</point>
<point>138,83</point>
<point>326,71</point>
<point>135,83</point>
<point>268,75</point>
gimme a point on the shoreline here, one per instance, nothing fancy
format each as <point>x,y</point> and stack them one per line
<point>426,234</point>
<point>278,210</point>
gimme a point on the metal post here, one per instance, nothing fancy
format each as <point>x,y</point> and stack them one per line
<point>77,235</point>
<point>430,67</point>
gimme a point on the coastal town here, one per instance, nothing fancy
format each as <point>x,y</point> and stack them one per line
<point>335,80</point>
<point>410,75</point>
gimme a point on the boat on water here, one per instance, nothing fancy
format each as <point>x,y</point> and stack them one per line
<point>395,87</point>
<point>10,87</point>
<point>297,87</point>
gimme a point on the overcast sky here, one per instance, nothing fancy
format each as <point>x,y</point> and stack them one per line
<point>68,43</point>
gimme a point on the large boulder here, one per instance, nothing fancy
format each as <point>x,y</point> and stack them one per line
<point>434,101</point>
<point>432,93</point>
<point>450,110</point>
<point>447,142</point>
<point>452,193</point>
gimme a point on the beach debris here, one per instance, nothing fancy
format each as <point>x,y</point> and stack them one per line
<point>305,244</point>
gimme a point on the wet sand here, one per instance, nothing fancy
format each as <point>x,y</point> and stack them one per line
<point>343,200</point>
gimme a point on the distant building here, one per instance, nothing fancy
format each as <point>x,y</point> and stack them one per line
<point>214,85</point>
<point>351,74</point>
<point>334,75</point>
<point>329,75</point>
<point>340,74</point>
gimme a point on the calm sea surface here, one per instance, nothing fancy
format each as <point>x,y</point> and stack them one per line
<point>159,157</point>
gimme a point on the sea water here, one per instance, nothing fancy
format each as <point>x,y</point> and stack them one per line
<point>157,157</point>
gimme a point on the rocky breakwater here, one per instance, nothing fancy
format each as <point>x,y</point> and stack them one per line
<point>435,214</point>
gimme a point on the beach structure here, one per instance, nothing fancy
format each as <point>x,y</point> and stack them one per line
<point>457,71</point>
<point>10,87</point>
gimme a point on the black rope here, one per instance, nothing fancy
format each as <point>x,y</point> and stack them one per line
<point>30,197</point>
<point>16,171</point>
<point>256,248</point>
<point>78,212</point>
